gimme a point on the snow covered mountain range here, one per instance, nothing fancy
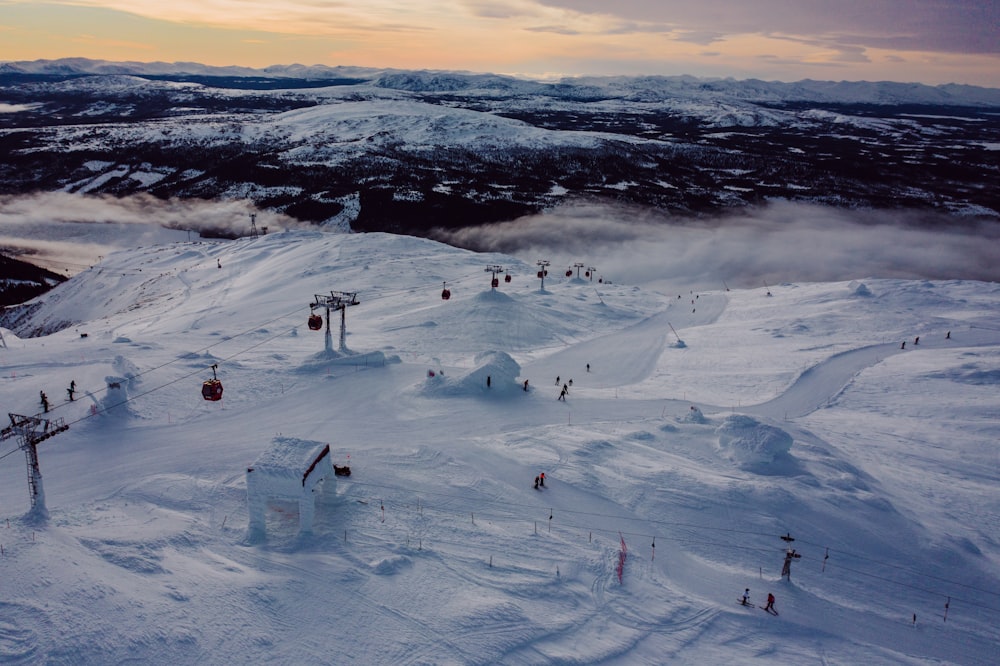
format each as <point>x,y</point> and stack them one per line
<point>699,428</point>
<point>411,151</point>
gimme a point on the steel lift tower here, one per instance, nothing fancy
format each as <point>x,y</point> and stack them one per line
<point>30,430</point>
<point>337,300</point>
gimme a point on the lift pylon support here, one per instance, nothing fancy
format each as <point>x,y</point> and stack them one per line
<point>337,300</point>
<point>30,430</point>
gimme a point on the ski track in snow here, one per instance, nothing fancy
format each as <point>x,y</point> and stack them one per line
<point>437,549</point>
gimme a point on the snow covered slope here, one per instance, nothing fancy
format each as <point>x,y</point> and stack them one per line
<point>698,429</point>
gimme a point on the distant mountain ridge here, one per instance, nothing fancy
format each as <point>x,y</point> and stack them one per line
<point>874,92</point>
<point>419,151</point>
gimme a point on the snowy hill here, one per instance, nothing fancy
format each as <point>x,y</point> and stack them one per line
<point>698,429</point>
<point>416,152</point>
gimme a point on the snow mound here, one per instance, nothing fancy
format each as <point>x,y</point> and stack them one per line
<point>859,289</point>
<point>116,399</point>
<point>390,565</point>
<point>494,372</point>
<point>748,442</point>
<point>693,415</point>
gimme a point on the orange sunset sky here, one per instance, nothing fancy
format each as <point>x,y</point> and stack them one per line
<point>943,41</point>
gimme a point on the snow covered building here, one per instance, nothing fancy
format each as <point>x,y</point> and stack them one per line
<point>290,469</point>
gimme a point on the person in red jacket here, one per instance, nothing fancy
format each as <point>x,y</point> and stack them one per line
<point>770,602</point>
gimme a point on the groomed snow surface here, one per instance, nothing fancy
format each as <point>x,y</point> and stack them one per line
<point>765,412</point>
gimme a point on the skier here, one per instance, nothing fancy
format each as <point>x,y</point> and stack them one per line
<point>562,395</point>
<point>218,262</point>
<point>770,604</point>
<point>557,380</point>
<point>588,367</point>
<point>571,381</point>
<point>488,381</point>
<point>71,390</point>
<point>916,340</point>
<point>746,597</point>
<point>536,483</point>
<point>565,388</point>
<point>947,336</point>
<point>525,385</point>
<point>541,479</point>
<point>44,400</point>
<point>903,346</point>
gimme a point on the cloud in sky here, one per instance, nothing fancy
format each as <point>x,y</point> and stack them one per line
<point>915,40</point>
<point>782,242</point>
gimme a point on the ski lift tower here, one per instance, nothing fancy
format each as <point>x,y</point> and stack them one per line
<point>253,225</point>
<point>578,266</point>
<point>543,265</point>
<point>337,300</point>
<point>494,268</point>
<point>30,430</point>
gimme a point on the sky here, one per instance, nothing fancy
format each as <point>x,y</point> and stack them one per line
<point>926,41</point>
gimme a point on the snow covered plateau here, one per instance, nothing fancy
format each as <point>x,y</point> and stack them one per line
<point>699,428</point>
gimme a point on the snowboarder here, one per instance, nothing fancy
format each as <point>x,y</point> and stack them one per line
<point>770,604</point>
<point>536,483</point>
<point>541,479</point>
<point>525,385</point>
<point>746,597</point>
<point>44,400</point>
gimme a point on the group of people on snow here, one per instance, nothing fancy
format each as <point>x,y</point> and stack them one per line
<point>44,399</point>
<point>770,601</point>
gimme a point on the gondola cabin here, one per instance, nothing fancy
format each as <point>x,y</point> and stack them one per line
<point>315,322</point>
<point>506,278</point>
<point>496,282</point>
<point>569,272</point>
<point>211,389</point>
<point>445,294</point>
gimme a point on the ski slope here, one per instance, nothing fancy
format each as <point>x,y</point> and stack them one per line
<point>709,425</point>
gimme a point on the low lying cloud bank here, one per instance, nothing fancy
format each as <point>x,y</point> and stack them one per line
<point>67,232</point>
<point>780,242</point>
